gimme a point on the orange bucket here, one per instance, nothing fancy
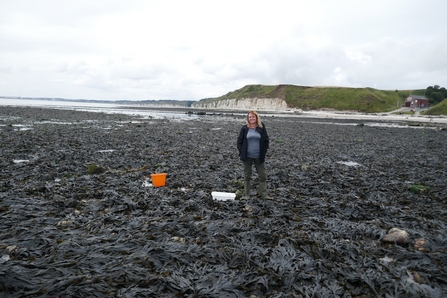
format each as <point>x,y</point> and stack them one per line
<point>158,179</point>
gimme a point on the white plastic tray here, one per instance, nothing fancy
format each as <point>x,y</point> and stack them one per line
<point>223,196</point>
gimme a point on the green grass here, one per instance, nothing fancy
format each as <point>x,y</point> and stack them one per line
<point>238,184</point>
<point>367,100</point>
<point>94,169</point>
<point>417,188</point>
<point>439,109</point>
<point>161,165</point>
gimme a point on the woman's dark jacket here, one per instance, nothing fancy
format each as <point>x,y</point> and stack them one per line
<point>242,144</point>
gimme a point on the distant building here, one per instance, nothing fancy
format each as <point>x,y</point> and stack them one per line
<point>416,101</point>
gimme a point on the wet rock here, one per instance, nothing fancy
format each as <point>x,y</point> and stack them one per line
<point>397,236</point>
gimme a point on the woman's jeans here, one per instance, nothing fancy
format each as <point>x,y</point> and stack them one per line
<point>260,169</point>
<point>262,176</point>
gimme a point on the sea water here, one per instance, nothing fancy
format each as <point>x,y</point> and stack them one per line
<point>100,107</point>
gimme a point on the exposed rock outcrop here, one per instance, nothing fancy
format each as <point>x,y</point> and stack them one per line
<point>266,104</point>
<point>397,236</point>
<point>162,105</point>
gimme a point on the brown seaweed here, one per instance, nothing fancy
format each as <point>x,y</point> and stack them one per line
<point>336,191</point>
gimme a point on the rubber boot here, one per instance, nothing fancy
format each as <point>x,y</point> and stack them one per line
<point>263,190</point>
<point>246,190</point>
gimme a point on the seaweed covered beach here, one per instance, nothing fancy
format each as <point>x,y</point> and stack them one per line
<point>79,216</point>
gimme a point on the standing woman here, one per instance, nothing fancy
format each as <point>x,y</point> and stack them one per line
<point>252,143</point>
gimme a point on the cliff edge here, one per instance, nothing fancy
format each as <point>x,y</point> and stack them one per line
<point>265,104</point>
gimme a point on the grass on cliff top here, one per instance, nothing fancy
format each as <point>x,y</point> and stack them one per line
<point>439,109</point>
<point>313,98</point>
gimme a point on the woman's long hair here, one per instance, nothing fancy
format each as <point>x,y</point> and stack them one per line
<point>258,118</point>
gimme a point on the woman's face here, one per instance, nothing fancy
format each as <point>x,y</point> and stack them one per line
<point>252,119</point>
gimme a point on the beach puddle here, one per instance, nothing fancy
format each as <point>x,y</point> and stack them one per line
<point>20,160</point>
<point>386,259</point>
<point>106,151</point>
<point>349,163</point>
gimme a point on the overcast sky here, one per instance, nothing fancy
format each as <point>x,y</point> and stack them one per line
<point>178,49</point>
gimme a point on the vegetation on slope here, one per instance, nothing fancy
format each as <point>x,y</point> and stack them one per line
<point>312,98</point>
<point>439,109</point>
<point>435,94</point>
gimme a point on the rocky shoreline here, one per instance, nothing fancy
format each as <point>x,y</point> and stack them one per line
<point>356,210</point>
<point>401,115</point>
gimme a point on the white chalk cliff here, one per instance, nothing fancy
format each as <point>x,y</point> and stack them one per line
<point>266,104</point>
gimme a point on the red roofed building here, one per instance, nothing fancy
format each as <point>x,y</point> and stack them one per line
<point>416,101</point>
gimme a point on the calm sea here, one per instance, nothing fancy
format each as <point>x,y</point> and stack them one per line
<point>111,107</point>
